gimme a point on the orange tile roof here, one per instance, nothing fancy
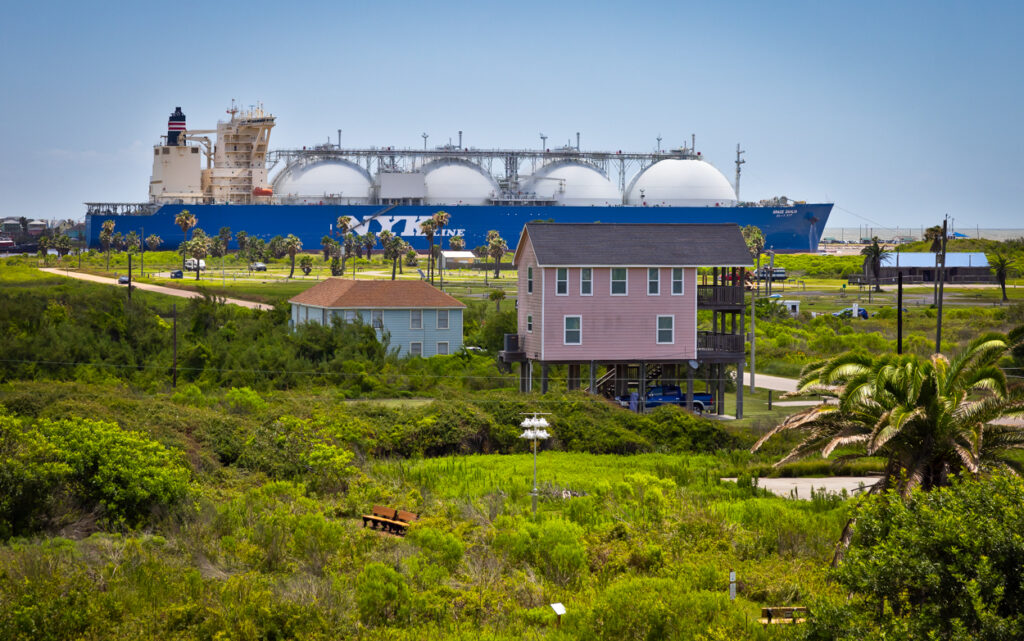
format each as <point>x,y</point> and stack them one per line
<point>375,294</point>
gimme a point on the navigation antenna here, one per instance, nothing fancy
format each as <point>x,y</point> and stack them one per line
<point>739,162</point>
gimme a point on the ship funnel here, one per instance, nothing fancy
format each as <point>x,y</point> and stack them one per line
<point>175,127</point>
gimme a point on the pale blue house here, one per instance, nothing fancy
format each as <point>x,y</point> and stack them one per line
<point>421,320</point>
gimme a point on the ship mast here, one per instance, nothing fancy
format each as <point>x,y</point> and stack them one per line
<point>739,162</point>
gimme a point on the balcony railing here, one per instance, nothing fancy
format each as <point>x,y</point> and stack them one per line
<point>727,343</point>
<point>719,295</point>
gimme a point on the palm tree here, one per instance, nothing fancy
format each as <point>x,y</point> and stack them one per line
<point>496,248</point>
<point>428,227</point>
<point>106,238</point>
<point>754,238</point>
<point>153,242</point>
<point>392,245</point>
<point>198,247</point>
<point>242,238</point>
<point>132,242</point>
<point>63,245</point>
<point>1001,266</point>
<point>441,220</point>
<point>349,245</point>
<point>874,255</point>
<point>186,221</point>
<point>928,419</point>
<point>369,242</point>
<point>225,238</point>
<point>457,243</point>
<point>497,295</point>
<point>325,246</point>
<point>293,246</point>
<point>306,264</point>
<point>934,235</point>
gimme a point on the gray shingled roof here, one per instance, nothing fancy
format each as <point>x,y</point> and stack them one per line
<point>677,244</point>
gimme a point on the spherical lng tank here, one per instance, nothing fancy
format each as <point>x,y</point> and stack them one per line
<point>336,180</point>
<point>457,182</point>
<point>681,182</point>
<point>573,183</point>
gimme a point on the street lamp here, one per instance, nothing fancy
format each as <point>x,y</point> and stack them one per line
<point>533,431</point>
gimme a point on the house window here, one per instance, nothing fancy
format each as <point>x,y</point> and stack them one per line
<point>415,319</point>
<point>653,281</point>
<point>350,315</point>
<point>666,330</point>
<point>562,282</point>
<point>442,348</point>
<point>619,281</point>
<point>573,331</point>
<point>529,280</point>
<point>377,318</point>
<point>442,319</point>
<point>586,282</point>
<point>677,281</point>
<point>416,349</point>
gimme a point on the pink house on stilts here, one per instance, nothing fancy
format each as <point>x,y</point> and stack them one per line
<point>624,297</point>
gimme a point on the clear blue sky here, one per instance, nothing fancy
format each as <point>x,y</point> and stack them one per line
<point>897,112</point>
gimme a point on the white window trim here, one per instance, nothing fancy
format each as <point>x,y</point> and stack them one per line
<point>682,281</point>
<point>557,281</point>
<point>564,330</point>
<point>374,316</point>
<point>529,323</point>
<point>420,343</point>
<point>649,281</point>
<point>657,330</point>
<point>411,326</point>
<point>447,348</point>
<point>612,281</point>
<point>529,279</point>
<point>447,319</point>
<point>589,280</point>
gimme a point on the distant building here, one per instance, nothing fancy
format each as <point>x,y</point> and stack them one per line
<point>451,259</point>
<point>11,226</point>
<point>421,320</point>
<point>37,227</point>
<point>961,267</point>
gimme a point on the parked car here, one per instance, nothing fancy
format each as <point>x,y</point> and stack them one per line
<point>848,313</point>
<point>177,274</point>
<point>258,267</point>
<point>659,395</point>
<point>124,280</point>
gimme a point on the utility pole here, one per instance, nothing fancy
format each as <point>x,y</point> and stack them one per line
<point>739,162</point>
<point>142,252</point>
<point>753,330</point>
<point>174,367</point>
<point>129,276</point>
<point>942,277</point>
<point>899,313</point>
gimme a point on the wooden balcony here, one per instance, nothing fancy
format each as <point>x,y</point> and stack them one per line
<point>719,296</point>
<point>719,347</point>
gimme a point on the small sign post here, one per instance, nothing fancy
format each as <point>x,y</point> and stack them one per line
<point>559,611</point>
<point>732,585</point>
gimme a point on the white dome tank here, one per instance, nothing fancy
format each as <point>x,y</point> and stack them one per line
<point>457,182</point>
<point>681,182</point>
<point>574,183</point>
<point>337,180</point>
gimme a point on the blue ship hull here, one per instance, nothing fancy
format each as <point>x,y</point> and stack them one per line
<point>797,228</point>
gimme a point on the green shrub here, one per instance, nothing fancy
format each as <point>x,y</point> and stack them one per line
<point>189,394</point>
<point>90,463</point>
<point>243,400</point>
<point>382,595</point>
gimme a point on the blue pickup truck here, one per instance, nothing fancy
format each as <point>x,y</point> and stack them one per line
<point>659,395</point>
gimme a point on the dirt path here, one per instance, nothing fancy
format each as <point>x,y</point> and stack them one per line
<point>159,289</point>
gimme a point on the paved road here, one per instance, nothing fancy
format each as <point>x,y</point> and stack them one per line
<point>766,381</point>
<point>159,289</point>
<point>802,487</point>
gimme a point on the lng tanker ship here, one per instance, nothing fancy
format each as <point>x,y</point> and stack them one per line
<point>226,182</point>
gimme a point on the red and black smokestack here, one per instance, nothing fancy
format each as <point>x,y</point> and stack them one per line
<point>175,127</point>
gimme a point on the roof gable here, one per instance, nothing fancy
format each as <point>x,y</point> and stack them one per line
<point>627,244</point>
<point>375,294</point>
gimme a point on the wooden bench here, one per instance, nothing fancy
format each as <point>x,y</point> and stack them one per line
<point>771,616</point>
<point>389,519</point>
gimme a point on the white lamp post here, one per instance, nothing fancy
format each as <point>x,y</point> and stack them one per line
<point>533,431</point>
